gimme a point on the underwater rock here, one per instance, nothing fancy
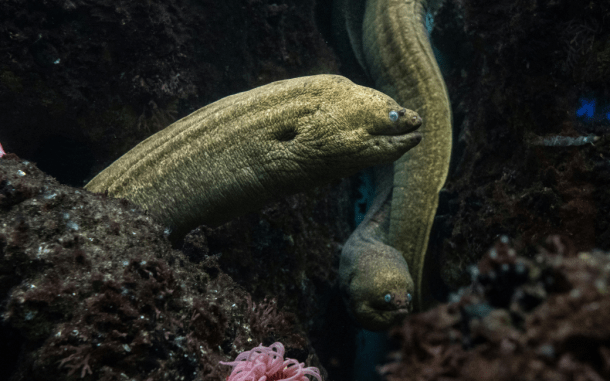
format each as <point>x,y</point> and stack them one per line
<point>91,288</point>
<point>516,72</point>
<point>540,319</point>
<point>103,76</point>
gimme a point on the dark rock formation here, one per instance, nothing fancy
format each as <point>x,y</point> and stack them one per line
<point>517,73</point>
<point>82,82</point>
<point>91,288</point>
<point>541,319</point>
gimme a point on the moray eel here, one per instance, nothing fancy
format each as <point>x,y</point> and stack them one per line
<point>390,42</point>
<point>375,280</point>
<point>244,150</point>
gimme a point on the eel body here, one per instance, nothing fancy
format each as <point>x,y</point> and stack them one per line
<point>399,57</point>
<point>375,278</point>
<point>395,51</point>
<point>244,150</point>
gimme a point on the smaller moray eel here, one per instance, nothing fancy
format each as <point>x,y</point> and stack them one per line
<point>399,57</point>
<point>236,154</point>
<point>389,41</point>
<point>374,277</point>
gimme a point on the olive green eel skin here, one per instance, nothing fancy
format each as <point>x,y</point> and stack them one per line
<point>244,150</point>
<point>394,49</point>
<point>375,279</point>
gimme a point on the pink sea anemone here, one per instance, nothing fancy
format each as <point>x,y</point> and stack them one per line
<point>268,364</point>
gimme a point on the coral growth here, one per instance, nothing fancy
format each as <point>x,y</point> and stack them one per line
<point>91,289</point>
<point>545,319</point>
<point>289,245</point>
<point>267,363</point>
<point>515,72</point>
<point>264,321</point>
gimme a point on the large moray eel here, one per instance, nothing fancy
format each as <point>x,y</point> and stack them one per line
<point>238,153</point>
<point>390,42</point>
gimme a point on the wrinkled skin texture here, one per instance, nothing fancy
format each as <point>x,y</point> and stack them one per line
<point>393,48</point>
<point>374,277</point>
<point>244,150</point>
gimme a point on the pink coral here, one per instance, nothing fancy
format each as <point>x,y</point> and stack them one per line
<point>2,153</point>
<point>267,364</point>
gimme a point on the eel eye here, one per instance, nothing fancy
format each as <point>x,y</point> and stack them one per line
<point>393,116</point>
<point>387,298</point>
<point>409,298</point>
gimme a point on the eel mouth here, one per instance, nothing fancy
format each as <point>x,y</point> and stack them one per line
<point>411,139</point>
<point>399,314</point>
<point>402,311</point>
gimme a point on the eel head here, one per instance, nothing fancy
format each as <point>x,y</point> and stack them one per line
<point>376,284</point>
<point>351,128</point>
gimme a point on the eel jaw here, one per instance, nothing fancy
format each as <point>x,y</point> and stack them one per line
<point>374,319</point>
<point>399,144</point>
<point>401,133</point>
<point>412,138</point>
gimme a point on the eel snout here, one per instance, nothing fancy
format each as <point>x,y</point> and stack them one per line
<point>399,130</point>
<point>399,122</point>
<point>401,302</point>
<point>375,278</point>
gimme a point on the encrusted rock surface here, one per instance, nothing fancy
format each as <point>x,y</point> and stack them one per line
<point>91,288</point>
<point>517,73</point>
<point>522,319</point>
<point>83,81</point>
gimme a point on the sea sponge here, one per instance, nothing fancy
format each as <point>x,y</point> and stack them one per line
<point>268,364</point>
